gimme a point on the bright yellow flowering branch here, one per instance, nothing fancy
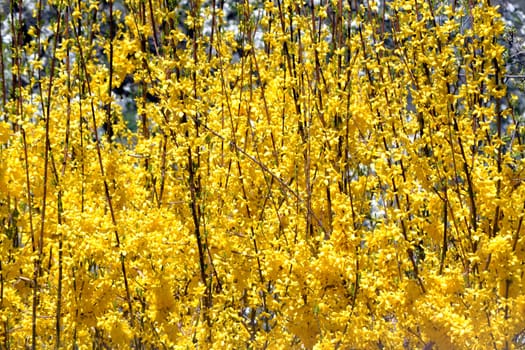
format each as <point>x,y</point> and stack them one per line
<point>269,174</point>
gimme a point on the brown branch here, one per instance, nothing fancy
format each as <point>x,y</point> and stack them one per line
<point>102,172</point>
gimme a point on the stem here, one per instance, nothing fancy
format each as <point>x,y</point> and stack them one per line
<point>102,172</point>
<point>109,119</point>
<point>445,239</point>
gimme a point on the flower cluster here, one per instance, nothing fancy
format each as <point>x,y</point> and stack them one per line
<point>322,174</point>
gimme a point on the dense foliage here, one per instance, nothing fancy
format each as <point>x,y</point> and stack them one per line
<point>324,174</point>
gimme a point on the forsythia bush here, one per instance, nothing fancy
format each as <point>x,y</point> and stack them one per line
<point>321,174</point>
